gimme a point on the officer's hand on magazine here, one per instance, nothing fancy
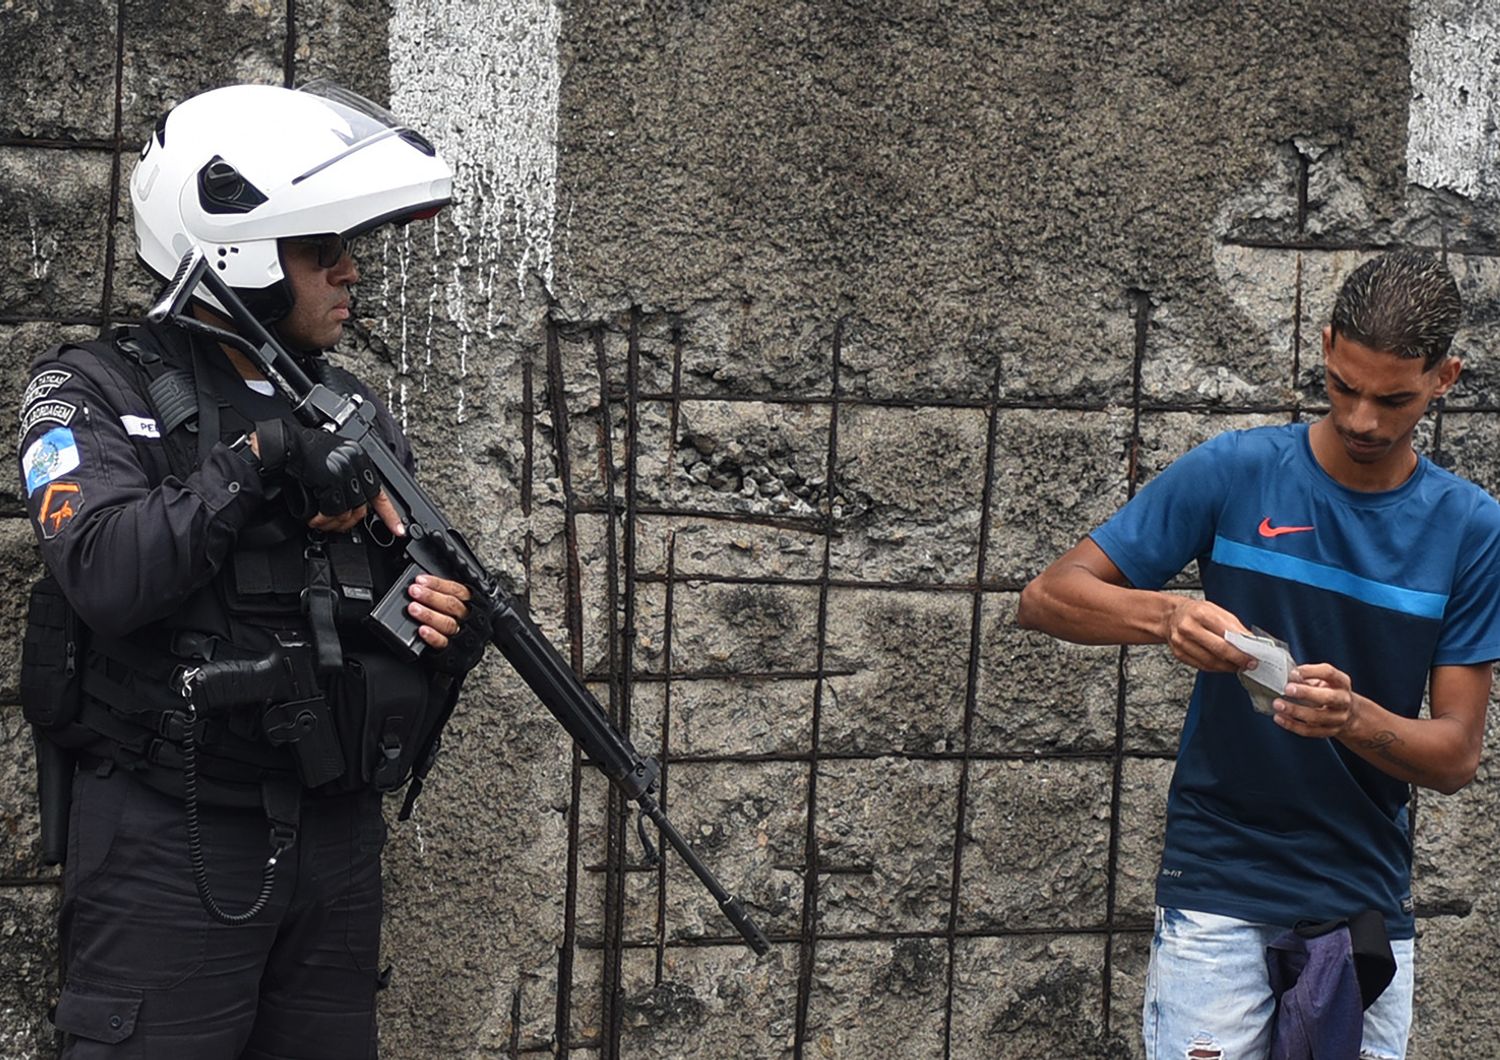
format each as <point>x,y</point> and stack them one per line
<point>458,646</point>
<point>338,484</point>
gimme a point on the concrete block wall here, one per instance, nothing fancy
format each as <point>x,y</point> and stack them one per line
<point>770,348</point>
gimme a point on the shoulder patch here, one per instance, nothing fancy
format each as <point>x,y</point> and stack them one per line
<point>50,457</point>
<point>42,384</point>
<point>59,504</point>
<point>47,412</point>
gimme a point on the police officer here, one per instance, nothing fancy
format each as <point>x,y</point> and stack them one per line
<point>199,666</point>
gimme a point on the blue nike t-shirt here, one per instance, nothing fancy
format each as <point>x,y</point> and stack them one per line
<point>1262,824</point>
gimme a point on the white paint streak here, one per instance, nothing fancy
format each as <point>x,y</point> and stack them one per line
<point>1451,138</point>
<point>432,301</point>
<point>403,257</point>
<point>481,77</point>
<point>41,259</point>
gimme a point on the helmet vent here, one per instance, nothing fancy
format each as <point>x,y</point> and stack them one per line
<point>221,189</point>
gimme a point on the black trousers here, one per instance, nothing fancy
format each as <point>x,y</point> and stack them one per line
<point>148,973</point>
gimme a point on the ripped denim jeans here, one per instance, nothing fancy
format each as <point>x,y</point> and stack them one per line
<point>1208,996</point>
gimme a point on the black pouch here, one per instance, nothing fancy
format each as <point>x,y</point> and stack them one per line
<point>51,658</point>
<point>382,711</point>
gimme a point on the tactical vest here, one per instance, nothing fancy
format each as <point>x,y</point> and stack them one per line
<point>317,702</point>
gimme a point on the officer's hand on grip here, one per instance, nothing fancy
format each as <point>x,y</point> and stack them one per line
<point>337,483</point>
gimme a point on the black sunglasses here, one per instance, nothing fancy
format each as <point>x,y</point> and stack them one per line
<point>331,248</point>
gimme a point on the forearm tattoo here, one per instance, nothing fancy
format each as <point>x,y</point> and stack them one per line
<point>1382,743</point>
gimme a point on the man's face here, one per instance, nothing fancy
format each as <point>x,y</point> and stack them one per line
<point>320,296</point>
<point>1376,398</point>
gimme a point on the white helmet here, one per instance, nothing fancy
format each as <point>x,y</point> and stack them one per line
<point>235,169</point>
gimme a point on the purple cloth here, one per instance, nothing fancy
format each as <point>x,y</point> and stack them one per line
<point>1319,1015</point>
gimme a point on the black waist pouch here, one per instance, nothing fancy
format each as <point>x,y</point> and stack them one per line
<point>51,658</point>
<point>382,706</point>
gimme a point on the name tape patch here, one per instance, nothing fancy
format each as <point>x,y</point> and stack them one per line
<point>141,426</point>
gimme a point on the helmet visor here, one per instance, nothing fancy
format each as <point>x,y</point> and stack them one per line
<point>363,115</point>
<point>364,123</point>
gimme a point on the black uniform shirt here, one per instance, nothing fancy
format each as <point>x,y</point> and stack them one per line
<point>128,541</point>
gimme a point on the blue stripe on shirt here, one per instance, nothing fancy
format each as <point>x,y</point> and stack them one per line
<point>1306,572</point>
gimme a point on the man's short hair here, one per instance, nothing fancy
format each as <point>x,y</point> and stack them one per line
<point>1404,302</point>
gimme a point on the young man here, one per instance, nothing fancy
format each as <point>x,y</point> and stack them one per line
<point>1381,572</point>
<point>195,527</point>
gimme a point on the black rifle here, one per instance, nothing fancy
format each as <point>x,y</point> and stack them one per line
<point>434,546</point>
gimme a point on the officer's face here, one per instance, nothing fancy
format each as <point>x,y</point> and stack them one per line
<point>320,296</point>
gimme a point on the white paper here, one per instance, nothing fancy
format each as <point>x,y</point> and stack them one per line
<point>1273,664</point>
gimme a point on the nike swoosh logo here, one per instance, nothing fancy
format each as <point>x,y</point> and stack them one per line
<point>1267,530</point>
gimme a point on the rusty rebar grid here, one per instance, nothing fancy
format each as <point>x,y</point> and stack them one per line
<point>616,806</point>
<point>574,609</point>
<point>1112,926</point>
<point>971,696</point>
<point>664,750</point>
<point>808,936</point>
<point>1140,304</point>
